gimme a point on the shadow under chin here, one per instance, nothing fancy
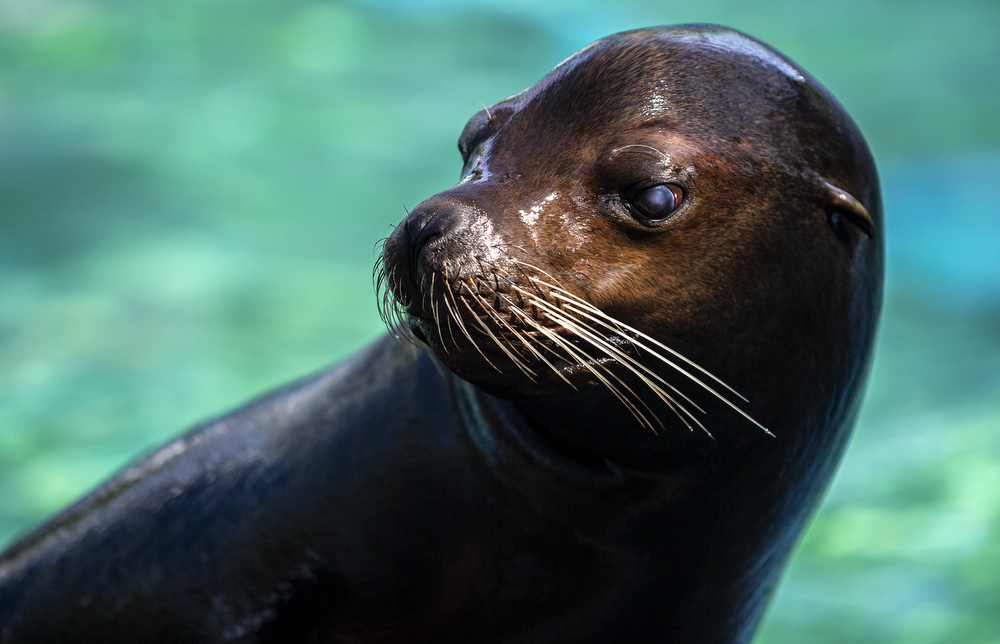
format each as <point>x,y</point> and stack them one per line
<point>592,424</point>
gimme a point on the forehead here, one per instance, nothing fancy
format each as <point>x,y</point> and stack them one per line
<point>695,80</point>
<point>737,45</point>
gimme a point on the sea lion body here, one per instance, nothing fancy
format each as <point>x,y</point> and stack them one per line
<point>314,514</point>
<point>666,210</point>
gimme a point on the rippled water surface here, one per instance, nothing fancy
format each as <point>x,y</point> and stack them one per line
<point>190,193</point>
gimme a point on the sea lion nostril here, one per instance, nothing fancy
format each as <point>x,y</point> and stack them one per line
<point>433,228</point>
<point>442,223</point>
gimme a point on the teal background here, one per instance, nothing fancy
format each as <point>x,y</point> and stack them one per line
<point>190,192</point>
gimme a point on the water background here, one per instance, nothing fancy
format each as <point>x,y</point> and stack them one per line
<point>190,192</point>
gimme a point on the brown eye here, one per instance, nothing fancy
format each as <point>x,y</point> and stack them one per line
<point>657,202</point>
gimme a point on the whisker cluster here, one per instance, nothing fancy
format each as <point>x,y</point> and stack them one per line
<point>390,309</point>
<point>538,322</point>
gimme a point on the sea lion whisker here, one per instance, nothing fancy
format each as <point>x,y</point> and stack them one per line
<point>534,324</point>
<point>453,314</point>
<point>588,333</point>
<point>546,274</point>
<point>568,311</point>
<point>378,249</point>
<point>588,364</point>
<point>378,283</point>
<point>517,290</point>
<point>484,272</point>
<point>564,294</point>
<point>623,359</point>
<point>527,343</point>
<point>683,372</point>
<point>513,358</point>
<point>679,369</point>
<point>390,300</point>
<point>486,109</point>
<point>496,318</point>
<point>434,312</point>
<point>559,344</point>
<point>617,326</point>
<point>486,329</point>
<point>389,309</point>
<point>400,330</point>
<point>596,337</point>
<point>531,322</point>
<point>514,310</point>
<point>424,293</point>
<point>462,326</point>
<point>451,332</point>
<point>389,313</point>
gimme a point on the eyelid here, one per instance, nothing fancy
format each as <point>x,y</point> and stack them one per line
<point>470,163</point>
<point>486,129</point>
<point>474,156</point>
<point>635,169</point>
<point>470,147</point>
<point>642,186</point>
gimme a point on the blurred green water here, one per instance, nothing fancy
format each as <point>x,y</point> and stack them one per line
<point>190,193</point>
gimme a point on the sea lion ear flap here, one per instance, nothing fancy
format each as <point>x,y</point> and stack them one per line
<point>842,202</point>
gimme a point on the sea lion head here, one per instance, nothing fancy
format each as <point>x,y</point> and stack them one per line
<point>676,223</point>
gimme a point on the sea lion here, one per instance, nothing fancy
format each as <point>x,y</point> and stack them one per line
<point>669,217</point>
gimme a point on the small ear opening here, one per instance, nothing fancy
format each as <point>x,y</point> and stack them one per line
<point>851,208</point>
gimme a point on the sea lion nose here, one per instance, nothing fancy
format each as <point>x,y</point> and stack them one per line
<point>433,221</point>
<point>434,225</point>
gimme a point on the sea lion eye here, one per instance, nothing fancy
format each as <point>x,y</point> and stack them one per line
<point>657,202</point>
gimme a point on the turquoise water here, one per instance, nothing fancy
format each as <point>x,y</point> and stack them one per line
<point>190,192</point>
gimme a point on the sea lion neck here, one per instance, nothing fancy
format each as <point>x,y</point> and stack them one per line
<point>591,425</point>
<point>706,497</point>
